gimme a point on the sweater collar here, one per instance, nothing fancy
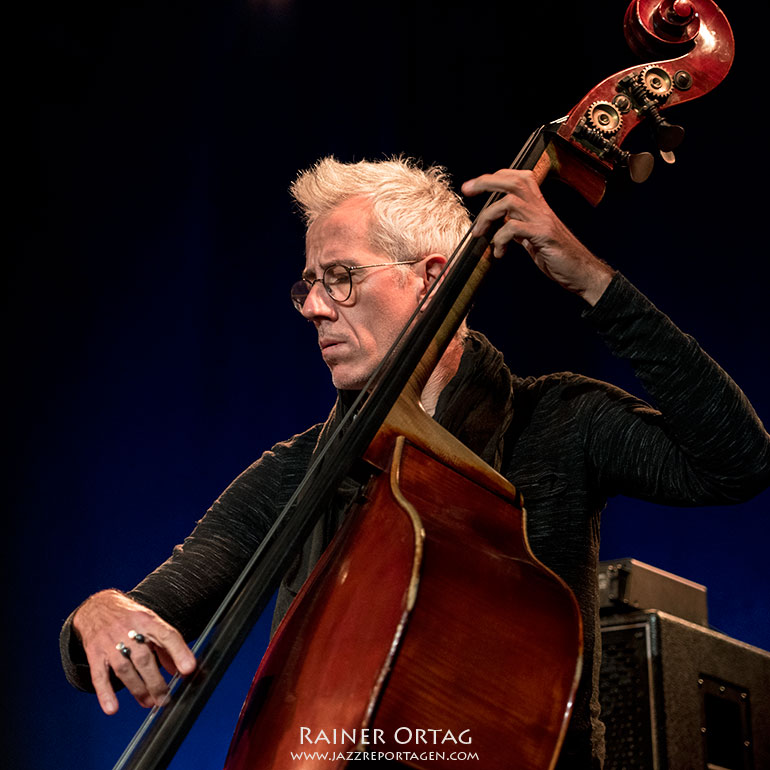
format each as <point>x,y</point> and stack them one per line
<point>476,405</point>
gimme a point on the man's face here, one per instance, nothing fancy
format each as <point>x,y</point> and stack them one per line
<point>354,335</point>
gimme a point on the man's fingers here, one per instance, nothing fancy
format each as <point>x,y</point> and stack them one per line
<point>516,226</point>
<point>139,671</point>
<point>144,661</point>
<point>169,639</point>
<point>505,180</point>
<point>125,671</point>
<point>166,661</point>
<point>500,181</point>
<point>100,678</point>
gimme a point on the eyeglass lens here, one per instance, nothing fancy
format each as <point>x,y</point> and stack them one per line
<point>336,281</point>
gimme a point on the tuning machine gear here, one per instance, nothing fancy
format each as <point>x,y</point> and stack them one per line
<point>656,82</point>
<point>604,117</point>
<point>651,86</point>
<point>639,164</point>
<point>600,123</point>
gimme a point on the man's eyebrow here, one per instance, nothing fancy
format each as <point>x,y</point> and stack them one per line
<point>309,275</point>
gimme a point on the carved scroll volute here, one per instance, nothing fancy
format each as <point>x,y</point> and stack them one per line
<point>700,36</point>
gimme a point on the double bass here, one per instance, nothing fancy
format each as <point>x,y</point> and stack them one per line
<point>433,528</point>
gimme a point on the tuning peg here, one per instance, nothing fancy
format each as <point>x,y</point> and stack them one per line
<point>640,165</point>
<point>668,135</point>
<point>668,157</point>
<point>650,88</point>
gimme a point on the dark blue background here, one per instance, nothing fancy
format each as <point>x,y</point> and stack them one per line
<point>153,350</point>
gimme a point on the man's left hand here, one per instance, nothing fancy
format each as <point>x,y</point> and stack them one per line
<point>529,220</point>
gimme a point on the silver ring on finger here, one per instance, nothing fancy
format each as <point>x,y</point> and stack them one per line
<point>136,636</point>
<point>123,650</point>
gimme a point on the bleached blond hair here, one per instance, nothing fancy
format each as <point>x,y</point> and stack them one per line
<point>414,210</point>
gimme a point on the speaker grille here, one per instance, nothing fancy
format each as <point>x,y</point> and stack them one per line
<point>677,696</point>
<point>627,698</point>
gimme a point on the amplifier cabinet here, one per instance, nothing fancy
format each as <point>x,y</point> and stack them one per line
<point>627,585</point>
<point>678,696</point>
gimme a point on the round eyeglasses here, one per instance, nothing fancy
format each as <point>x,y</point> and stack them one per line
<point>337,280</point>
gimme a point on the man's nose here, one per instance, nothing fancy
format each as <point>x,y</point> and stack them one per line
<point>318,303</point>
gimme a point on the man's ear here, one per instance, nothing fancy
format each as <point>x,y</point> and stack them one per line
<point>432,266</point>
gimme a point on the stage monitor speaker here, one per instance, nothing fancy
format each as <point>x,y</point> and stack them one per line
<point>677,696</point>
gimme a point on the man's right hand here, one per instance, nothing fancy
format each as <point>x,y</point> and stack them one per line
<point>102,622</point>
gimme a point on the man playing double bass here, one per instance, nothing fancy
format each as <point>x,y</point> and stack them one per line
<point>378,236</point>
